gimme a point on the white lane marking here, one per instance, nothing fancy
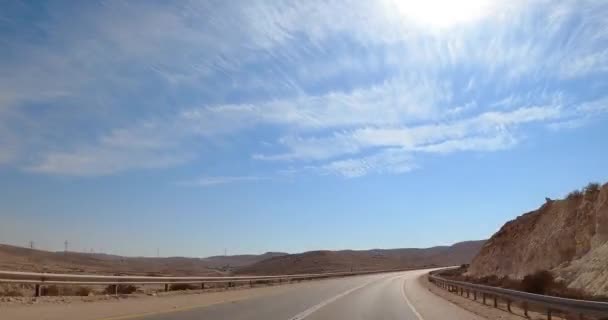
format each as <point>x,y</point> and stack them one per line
<point>311,310</point>
<point>409,303</point>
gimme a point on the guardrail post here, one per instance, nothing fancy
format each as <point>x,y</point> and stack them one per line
<point>525,306</point>
<point>484,298</point>
<point>509,305</point>
<point>37,290</point>
<point>116,289</point>
<point>468,293</point>
<point>495,302</point>
<point>251,283</point>
<point>548,314</point>
<point>202,286</point>
<point>166,287</point>
<point>474,295</point>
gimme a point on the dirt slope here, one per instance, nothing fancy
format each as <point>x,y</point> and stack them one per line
<point>568,237</point>
<point>346,260</point>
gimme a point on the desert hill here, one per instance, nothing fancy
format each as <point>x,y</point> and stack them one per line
<point>237,261</point>
<point>568,237</point>
<point>25,259</point>
<point>356,260</point>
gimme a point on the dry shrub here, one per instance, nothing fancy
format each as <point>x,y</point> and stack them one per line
<point>493,281</point>
<point>51,290</point>
<point>540,282</point>
<point>592,190</point>
<point>592,187</point>
<point>182,286</point>
<point>11,293</point>
<point>83,291</point>
<point>13,290</point>
<point>455,273</point>
<point>575,194</point>
<point>543,282</point>
<point>122,289</point>
<point>54,290</point>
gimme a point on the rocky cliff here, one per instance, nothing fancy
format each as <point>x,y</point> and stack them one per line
<point>568,237</point>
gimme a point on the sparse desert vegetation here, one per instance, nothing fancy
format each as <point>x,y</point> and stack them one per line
<point>559,249</point>
<point>539,282</point>
<point>183,286</point>
<point>122,289</point>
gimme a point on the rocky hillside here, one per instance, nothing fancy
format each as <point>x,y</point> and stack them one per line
<point>346,260</point>
<point>568,237</point>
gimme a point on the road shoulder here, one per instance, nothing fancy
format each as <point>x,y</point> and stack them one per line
<point>476,307</point>
<point>133,307</point>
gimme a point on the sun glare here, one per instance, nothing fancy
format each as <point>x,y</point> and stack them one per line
<point>443,13</point>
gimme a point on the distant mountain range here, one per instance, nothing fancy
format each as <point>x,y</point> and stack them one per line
<point>24,259</point>
<point>238,261</point>
<point>346,260</point>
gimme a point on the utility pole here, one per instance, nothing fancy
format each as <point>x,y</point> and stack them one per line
<point>31,244</point>
<point>66,246</point>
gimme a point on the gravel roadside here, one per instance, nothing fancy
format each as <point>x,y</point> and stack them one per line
<point>124,306</point>
<point>486,311</point>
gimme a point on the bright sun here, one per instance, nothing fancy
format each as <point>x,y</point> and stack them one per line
<point>443,13</point>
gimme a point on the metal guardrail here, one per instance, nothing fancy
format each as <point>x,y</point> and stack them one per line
<point>41,279</point>
<point>579,308</point>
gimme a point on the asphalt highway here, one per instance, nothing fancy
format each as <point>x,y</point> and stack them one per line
<point>382,296</point>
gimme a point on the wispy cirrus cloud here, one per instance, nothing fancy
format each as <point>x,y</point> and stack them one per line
<point>220,180</point>
<point>147,145</point>
<point>391,161</point>
<point>486,131</point>
<point>344,87</point>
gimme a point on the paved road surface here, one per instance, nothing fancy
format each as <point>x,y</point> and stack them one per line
<point>385,296</point>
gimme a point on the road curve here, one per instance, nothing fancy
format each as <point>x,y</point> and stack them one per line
<point>384,296</point>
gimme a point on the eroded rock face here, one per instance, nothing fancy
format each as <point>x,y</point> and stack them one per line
<point>568,237</point>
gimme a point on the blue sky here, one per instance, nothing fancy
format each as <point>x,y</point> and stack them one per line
<point>255,126</point>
